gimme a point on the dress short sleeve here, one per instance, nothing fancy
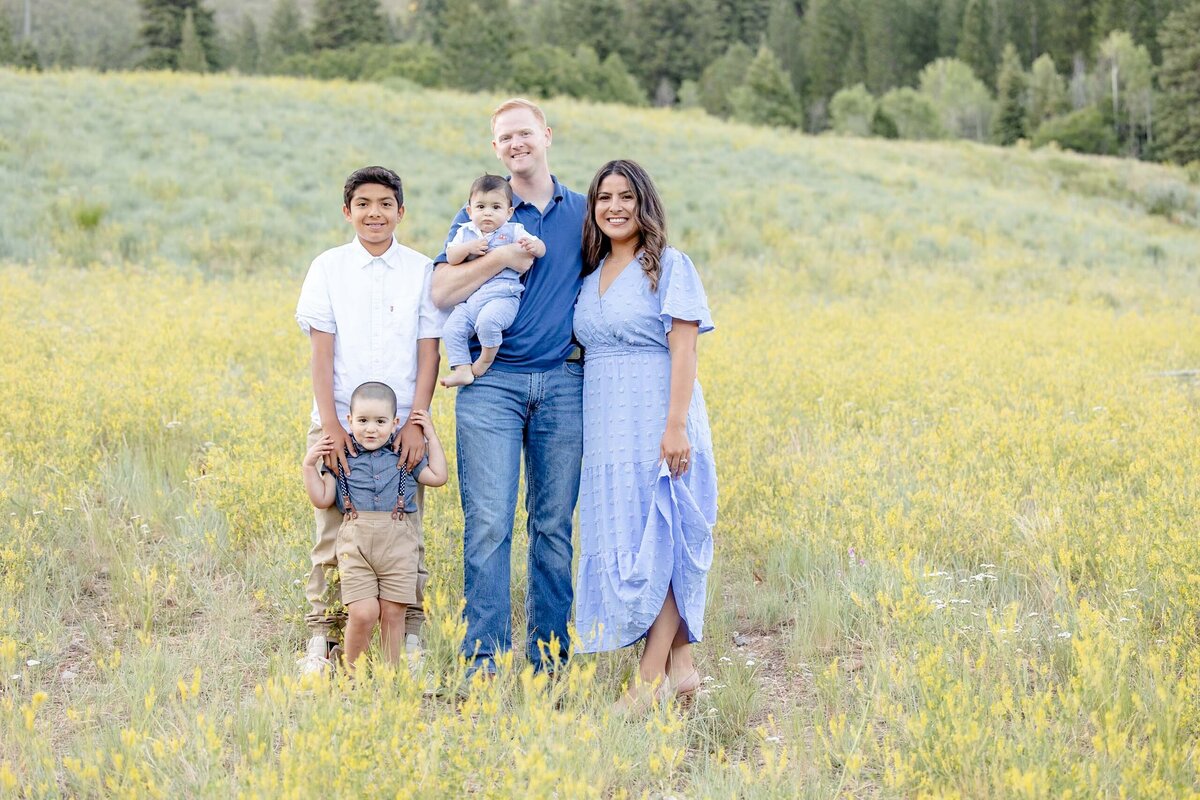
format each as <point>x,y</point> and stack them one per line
<point>681,292</point>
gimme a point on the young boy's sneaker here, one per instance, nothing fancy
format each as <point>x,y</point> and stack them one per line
<point>316,657</point>
<point>412,649</point>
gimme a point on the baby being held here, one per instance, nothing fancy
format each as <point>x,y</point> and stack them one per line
<point>493,306</point>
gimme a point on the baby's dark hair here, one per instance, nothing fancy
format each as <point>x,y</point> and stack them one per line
<point>380,175</point>
<point>490,183</point>
<point>374,390</point>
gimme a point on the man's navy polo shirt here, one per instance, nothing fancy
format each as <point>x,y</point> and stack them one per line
<point>540,337</point>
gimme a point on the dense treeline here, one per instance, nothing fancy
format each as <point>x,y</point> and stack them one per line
<point>1105,76</point>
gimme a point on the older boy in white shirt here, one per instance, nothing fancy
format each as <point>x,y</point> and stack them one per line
<point>367,309</point>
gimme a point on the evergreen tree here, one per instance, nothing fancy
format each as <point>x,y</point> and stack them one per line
<point>1047,92</point>
<point>1179,77</point>
<point>1010,99</point>
<point>743,21</point>
<point>477,40</point>
<point>599,24</point>
<point>900,37</point>
<point>975,41</point>
<point>672,39</point>
<point>721,77</point>
<point>767,96</point>
<point>191,52</point>
<point>828,34</point>
<point>785,37</point>
<point>616,83</point>
<point>949,26</point>
<point>428,20</point>
<point>1018,22</point>
<point>246,47</point>
<point>1142,19</point>
<point>162,31</point>
<point>1069,25</point>
<point>286,35</point>
<point>8,47</point>
<point>349,23</point>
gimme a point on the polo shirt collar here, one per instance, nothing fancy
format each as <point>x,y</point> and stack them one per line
<point>559,192</point>
<point>391,256</point>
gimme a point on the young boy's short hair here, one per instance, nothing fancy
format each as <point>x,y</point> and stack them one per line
<point>380,175</point>
<point>491,183</point>
<point>374,390</point>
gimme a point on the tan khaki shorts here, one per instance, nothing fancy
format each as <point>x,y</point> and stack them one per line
<point>377,557</point>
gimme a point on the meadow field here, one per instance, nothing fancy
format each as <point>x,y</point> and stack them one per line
<point>955,400</point>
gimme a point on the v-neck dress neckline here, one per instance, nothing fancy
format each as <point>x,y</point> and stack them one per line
<point>601,293</point>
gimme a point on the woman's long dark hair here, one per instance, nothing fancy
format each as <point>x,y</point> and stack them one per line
<point>651,221</point>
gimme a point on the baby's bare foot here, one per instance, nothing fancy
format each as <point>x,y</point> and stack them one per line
<point>459,376</point>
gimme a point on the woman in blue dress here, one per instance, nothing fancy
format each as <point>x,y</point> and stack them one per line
<point>648,493</point>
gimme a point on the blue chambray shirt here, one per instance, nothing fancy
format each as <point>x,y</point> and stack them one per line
<point>375,482</point>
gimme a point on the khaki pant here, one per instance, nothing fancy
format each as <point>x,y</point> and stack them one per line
<point>324,558</point>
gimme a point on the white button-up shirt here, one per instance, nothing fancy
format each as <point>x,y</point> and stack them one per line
<point>376,307</point>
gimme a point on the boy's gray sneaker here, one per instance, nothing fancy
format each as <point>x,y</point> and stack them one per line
<point>412,645</point>
<point>316,657</point>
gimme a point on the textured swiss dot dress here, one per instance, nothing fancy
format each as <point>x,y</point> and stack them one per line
<point>640,530</point>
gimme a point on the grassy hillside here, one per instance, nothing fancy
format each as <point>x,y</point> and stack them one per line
<point>952,406</point>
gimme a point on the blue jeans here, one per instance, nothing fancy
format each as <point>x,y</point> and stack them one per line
<point>497,415</point>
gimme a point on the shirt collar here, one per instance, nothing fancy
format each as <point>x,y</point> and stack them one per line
<point>391,256</point>
<point>559,191</point>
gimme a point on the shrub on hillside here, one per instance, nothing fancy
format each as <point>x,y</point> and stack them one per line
<point>853,110</point>
<point>963,102</point>
<point>1047,91</point>
<point>1085,131</point>
<point>373,62</point>
<point>914,114</point>
<point>551,71</point>
<point>721,77</point>
<point>767,96</point>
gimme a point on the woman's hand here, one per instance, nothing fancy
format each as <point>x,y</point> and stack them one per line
<point>675,449</point>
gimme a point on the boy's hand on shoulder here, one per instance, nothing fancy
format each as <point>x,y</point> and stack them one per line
<point>410,443</point>
<point>340,442</point>
<point>322,448</point>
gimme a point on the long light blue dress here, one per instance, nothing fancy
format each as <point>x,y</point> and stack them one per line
<point>640,530</point>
